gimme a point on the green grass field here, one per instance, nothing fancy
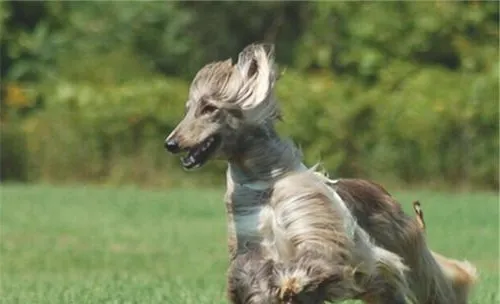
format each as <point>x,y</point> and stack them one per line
<point>97,245</point>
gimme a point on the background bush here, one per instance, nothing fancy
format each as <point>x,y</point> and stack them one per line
<point>403,92</point>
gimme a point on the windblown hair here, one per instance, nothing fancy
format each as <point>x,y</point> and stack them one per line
<point>292,236</point>
<point>434,278</point>
<point>318,252</point>
<point>283,219</point>
<point>246,86</point>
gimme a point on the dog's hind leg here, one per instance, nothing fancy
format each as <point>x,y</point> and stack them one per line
<point>383,298</point>
<point>379,291</point>
<point>381,274</point>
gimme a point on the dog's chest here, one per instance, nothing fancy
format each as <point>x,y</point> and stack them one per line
<point>245,207</point>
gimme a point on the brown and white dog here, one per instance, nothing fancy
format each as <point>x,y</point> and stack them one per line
<point>294,235</point>
<point>292,239</point>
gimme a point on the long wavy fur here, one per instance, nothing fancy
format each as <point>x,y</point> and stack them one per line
<point>294,235</point>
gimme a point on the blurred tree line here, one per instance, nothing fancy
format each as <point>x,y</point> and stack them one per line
<point>402,92</point>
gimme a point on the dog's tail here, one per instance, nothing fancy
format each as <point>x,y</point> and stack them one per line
<point>462,274</point>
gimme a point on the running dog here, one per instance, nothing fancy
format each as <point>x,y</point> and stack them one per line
<point>292,238</point>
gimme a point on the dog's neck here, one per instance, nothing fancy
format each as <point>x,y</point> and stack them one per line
<point>264,157</point>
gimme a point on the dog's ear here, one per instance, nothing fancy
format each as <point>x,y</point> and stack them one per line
<point>254,58</point>
<point>258,72</point>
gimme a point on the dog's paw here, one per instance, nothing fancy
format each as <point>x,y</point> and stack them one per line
<point>290,287</point>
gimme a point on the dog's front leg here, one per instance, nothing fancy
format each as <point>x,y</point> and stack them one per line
<point>250,279</point>
<point>311,278</point>
<point>306,237</point>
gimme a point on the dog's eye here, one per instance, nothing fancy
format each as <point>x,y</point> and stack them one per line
<point>208,109</point>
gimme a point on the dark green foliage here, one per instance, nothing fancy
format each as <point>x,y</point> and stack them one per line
<point>395,91</point>
<point>13,159</point>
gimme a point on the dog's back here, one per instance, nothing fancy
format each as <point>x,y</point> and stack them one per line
<point>434,278</point>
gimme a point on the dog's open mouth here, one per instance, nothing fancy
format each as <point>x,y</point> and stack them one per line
<point>199,154</point>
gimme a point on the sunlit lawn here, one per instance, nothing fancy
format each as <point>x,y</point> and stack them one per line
<point>97,245</point>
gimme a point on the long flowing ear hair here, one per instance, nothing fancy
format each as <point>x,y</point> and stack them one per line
<point>258,73</point>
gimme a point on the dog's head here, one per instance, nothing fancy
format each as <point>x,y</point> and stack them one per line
<point>224,101</point>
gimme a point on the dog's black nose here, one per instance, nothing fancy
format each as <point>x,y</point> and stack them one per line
<point>172,146</point>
